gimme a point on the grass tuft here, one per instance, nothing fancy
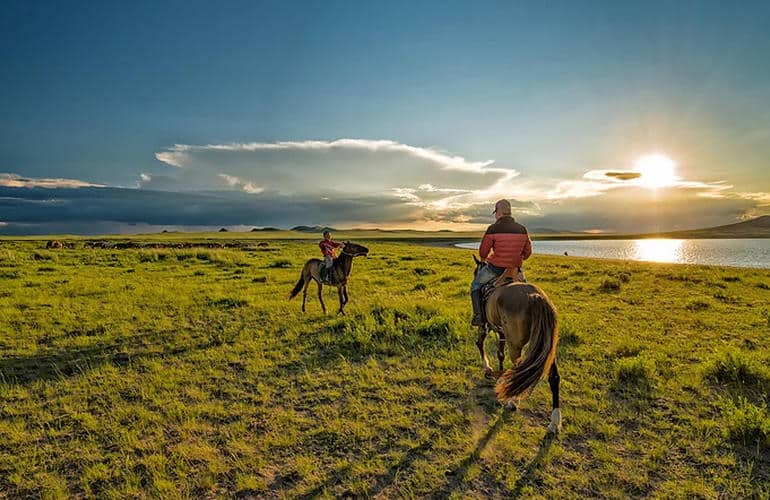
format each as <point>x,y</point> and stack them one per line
<point>726,299</point>
<point>739,372</point>
<point>748,424</point>
<point>635,376</point>
<point>228,303</point>
<point>697,305</point>
<point>610,285</point>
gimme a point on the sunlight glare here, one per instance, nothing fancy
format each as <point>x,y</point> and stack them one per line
<point>657,171</point>
<point>658,250</point>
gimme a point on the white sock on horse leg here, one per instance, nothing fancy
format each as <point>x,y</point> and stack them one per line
<point>555,426</point>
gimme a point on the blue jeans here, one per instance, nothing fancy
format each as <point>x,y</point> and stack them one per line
<point>487,273</point>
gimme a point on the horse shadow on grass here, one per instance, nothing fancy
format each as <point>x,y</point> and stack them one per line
<point>58,364</point>
<point>456,476</point>
<point>530,474</point>
<point>381,482</point>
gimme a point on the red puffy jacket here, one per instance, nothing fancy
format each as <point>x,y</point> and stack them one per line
<point>328,246</point>
<point>509,242</point>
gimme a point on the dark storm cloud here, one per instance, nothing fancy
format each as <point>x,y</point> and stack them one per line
<point>36,207</point>
<point>623,176</point>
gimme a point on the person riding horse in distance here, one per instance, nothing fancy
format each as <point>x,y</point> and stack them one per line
<point>509,245</point>
<point>328,247</point>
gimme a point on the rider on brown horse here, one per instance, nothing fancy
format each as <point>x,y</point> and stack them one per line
<point>328,247</point>
<point>510,246</point>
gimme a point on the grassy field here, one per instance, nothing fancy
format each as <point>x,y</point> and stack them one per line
<point>186,372</point>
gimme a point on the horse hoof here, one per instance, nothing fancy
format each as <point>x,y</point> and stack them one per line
<point>488,373</point>
<point>511,405</point>
<point>555,425</point>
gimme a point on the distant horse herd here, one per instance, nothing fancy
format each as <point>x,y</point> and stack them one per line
<point>520,313</point>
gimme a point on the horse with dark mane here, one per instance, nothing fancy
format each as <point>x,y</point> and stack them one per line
<point>338,276</point>
<point>521,314</point>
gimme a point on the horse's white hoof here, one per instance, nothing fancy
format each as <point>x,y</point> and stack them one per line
<point>555,426</point>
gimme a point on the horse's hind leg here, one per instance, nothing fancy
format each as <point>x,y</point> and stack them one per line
<point>304,294</point>
<point>553,382</point>
<point>480,345</point>
<point>321,297</point>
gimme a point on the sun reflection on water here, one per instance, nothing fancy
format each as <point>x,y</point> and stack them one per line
<point>658,250</point>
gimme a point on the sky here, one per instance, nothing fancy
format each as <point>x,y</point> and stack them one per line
<point>588,116</point>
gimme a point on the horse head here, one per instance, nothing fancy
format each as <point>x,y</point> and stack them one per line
<point>479,263</point>
<point>354,249</point>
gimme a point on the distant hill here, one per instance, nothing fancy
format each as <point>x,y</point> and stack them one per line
<point>258,229</point>
<point>312,229</point>
<point>546,230</point>
<point>754,228</point>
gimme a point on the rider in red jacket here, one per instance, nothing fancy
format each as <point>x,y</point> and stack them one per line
<point>328,246</point>
<point>509,244</point>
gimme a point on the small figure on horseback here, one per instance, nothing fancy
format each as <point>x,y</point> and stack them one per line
<point>328,247</point>
<point>336,275</point>
<point>519,312</point>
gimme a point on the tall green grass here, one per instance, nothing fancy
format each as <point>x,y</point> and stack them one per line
<point>186,372</point>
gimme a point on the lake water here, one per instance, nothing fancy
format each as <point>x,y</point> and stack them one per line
<point>722,252</point>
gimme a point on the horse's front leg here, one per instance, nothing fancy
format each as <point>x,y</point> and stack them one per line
<point>341,298</point>
<point>345,294</point>
<point>480,344</point>
<point>321,297</point>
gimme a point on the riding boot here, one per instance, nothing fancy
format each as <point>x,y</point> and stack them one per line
<point>478,313</point>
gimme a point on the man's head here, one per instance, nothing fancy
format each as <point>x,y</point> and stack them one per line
<point>502,209</point>
<point>327,235</point>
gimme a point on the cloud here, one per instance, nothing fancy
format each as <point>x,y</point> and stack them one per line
<point>92,210</point>
<point>371,183</point>
<point>623,176</point>
<point>597,182</point>
<point>17,181</point>
<point>349,166</point>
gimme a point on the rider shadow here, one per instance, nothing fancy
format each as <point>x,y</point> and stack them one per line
<point>531,471</point>
<point>381,482</point>
<point>457,474</point>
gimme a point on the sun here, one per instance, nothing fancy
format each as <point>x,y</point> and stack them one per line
<point>657,171</point>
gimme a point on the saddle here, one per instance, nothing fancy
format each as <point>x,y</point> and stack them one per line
<point>510,275</point>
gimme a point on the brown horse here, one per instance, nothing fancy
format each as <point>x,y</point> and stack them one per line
<point>522,314</point>
<point>339,275</point>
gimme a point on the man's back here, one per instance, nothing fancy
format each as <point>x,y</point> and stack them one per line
<point>509,242</point>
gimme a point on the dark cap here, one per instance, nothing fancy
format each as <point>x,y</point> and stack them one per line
<point>504,206</point>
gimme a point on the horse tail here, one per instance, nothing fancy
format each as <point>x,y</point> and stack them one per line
<point>543,337</point>
<point>299,285</point>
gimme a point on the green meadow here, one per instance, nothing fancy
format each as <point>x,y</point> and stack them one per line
<point>186,372</point>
